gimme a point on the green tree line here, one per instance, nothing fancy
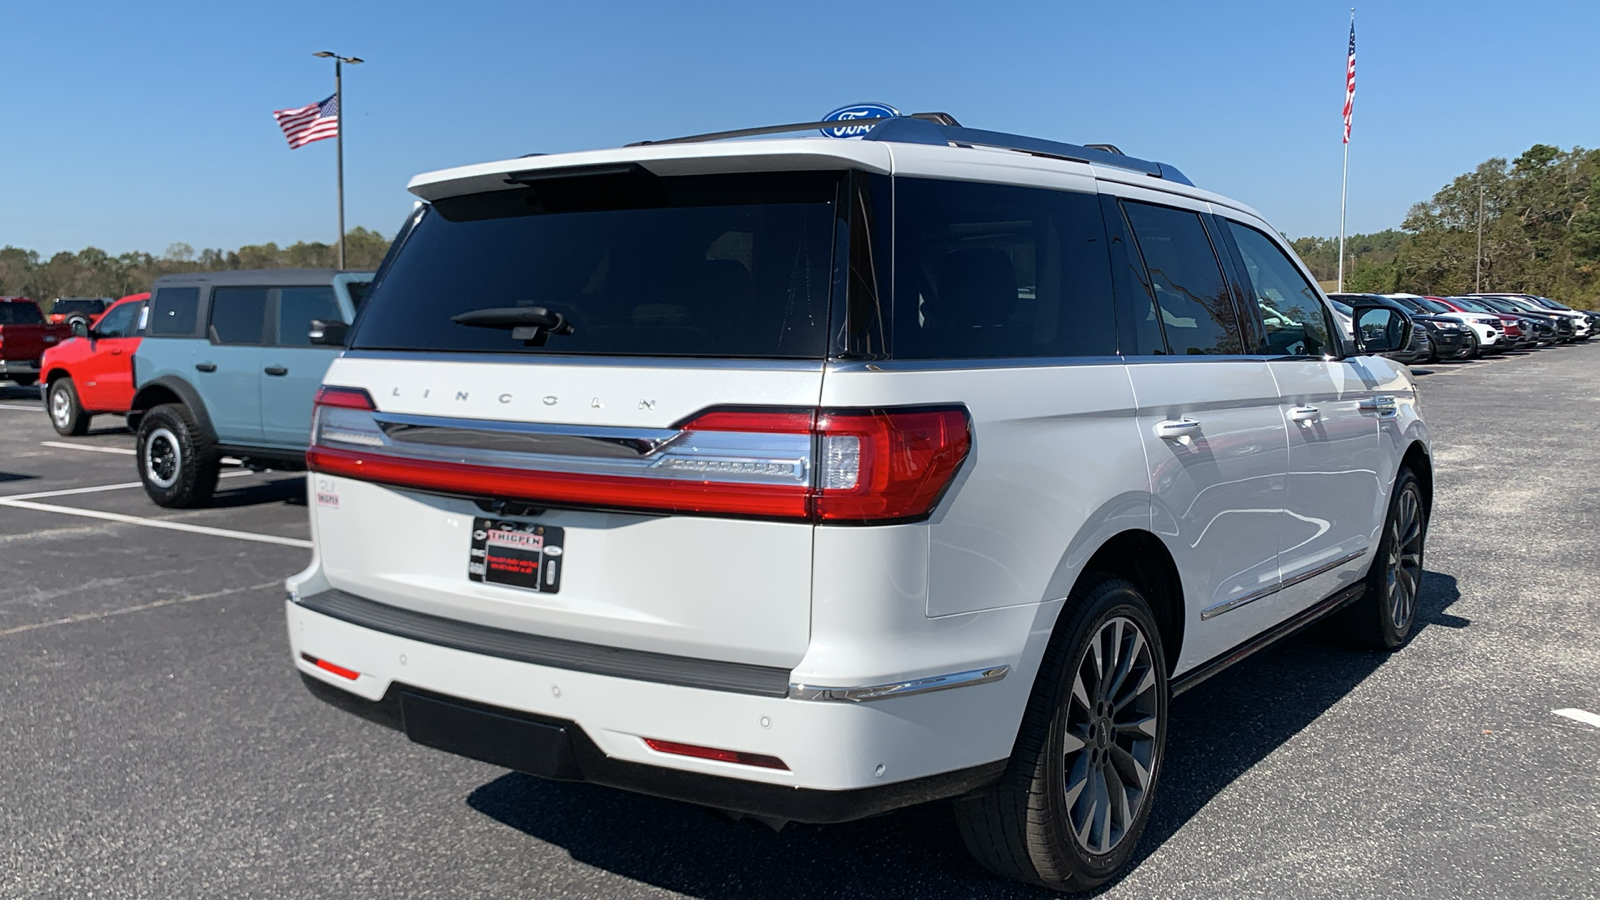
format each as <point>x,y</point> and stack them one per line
<point>92,272</point>
<point>1541,234</point>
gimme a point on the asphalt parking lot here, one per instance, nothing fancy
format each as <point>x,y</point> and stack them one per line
<point>156,742</point>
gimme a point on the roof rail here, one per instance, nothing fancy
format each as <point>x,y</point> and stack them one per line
<point>941,129</point>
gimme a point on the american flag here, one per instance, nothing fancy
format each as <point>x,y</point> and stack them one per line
<point>1350,81</point>
<point>309,123</point>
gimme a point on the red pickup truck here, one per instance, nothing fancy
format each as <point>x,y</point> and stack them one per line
<point>24,336</point>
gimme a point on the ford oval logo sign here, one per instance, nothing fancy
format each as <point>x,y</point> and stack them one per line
<point>857,111</point>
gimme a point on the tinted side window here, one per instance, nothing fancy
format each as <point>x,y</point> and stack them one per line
<point>119,322</point>
<point>1191,295</point>
<point>173,311</point>
<point>985,270</point>
<point>1297,323</point>
<point>20,314</point>
<point>238,315</point>
<point>297,306</point>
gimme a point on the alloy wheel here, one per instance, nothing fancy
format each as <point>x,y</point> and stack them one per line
<point>1405,559</point>
<point>60,407</point>
<point>163,458</point>
<point>1110,739</point>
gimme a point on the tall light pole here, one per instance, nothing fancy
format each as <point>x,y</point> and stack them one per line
<point>338,102</point>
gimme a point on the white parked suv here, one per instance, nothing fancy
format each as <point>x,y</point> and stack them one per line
<point>807,478</point>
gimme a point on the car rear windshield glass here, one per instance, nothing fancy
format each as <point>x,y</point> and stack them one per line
<point>63,307</point>
<point>736,265</point>
<point>20,314</point>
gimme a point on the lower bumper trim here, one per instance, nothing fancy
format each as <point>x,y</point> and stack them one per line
<point>559,749</point>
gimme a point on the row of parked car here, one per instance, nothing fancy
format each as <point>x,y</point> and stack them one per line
<point>1474,325</point>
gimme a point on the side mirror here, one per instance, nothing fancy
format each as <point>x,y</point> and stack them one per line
<point>325,333</point>
<point>80,328</point>
<point>1379,329</point>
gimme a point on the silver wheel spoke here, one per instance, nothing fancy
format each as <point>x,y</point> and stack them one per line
<point>1145,726</point>
<point>1072,743</point>
<point>1127,766</point>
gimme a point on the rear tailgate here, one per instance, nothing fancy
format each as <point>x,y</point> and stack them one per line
<point>734,589</point>
<point>28,342</point>
<point>519,452</point>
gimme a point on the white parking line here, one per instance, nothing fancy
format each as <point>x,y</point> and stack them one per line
<point>66,446</point>
<point>1579,715</point>
<point>64,492</point>
<point>156,523</point>
<point>86,617</point>
<point>32,409</point>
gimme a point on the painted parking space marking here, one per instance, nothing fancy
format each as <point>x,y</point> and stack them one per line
<point>156,523</point>
<point>66,446</point>
<point>1580,715</point>
<point>66,492</point>
<point>32,409</point>
<point>154,604</point>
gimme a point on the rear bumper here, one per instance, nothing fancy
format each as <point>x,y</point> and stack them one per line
<point>560,749</point>
<point>19,367</point>
<point>845,759</point>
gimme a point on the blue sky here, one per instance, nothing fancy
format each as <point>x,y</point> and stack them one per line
<point>131,126</point>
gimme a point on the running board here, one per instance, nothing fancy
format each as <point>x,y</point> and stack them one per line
<point>1269,637</point>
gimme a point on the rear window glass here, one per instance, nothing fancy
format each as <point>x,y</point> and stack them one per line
<point>62,307</point>
<point>701,266</point>
<point>998,271</point>
<point>20,314</point>
<point>173,311</point>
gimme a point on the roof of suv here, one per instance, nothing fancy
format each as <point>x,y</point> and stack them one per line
<point>256,277</point>
<point>874,153</point>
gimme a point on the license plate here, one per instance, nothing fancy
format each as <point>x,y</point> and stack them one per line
<point>517,554</point>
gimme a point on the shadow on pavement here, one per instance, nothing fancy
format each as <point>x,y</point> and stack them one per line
<point>290,490</point>
<point>10,391</point>
<point>1218,731</point>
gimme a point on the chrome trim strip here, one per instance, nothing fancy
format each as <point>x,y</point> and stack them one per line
<point>899,689</point>
<point>1217,609</point>
<point>959,365</point>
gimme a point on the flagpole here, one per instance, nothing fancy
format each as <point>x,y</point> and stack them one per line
<point>338,100</point>
<point>1344,180</point>
<point>1344,187</point>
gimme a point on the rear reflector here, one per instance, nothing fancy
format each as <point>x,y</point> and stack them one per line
<point>732,756</point>
<point>326,666</point>
<point>843,466</point>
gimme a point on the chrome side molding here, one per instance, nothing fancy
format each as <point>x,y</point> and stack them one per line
<point>899,689</point>
<point>1217,609</point>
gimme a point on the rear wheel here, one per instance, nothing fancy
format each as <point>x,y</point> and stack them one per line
<point>1386,614</point>
<point>178,462</point>
<point>66,413</point>
<point>1075,797</point>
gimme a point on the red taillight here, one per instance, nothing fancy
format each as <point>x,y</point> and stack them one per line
<point>732,756</point>
<point>326,666</point>
<point>842,466</point>
<point>344,398</point>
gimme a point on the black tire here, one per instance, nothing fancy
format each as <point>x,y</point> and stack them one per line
<point>178,461</point>
<point>1034,825</point>
<point>24,380</point>
<point>1473,349</point>
<point>1385,616</point>
<point>66,413</point>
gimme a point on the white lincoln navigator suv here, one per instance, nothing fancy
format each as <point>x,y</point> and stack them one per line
<point>807,478</point>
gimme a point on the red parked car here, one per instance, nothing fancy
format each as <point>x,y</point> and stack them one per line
<point>24,337</point>
<point>93,372</point>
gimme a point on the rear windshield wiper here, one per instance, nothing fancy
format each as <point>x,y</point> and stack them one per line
<point>531,325</point>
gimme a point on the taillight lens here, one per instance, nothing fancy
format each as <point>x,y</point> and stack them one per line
<point>843,466</point>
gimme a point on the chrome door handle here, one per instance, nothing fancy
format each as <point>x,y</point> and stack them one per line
<point>1305,414</point>
<point>1382,404</point>
<point>1177,430</point>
